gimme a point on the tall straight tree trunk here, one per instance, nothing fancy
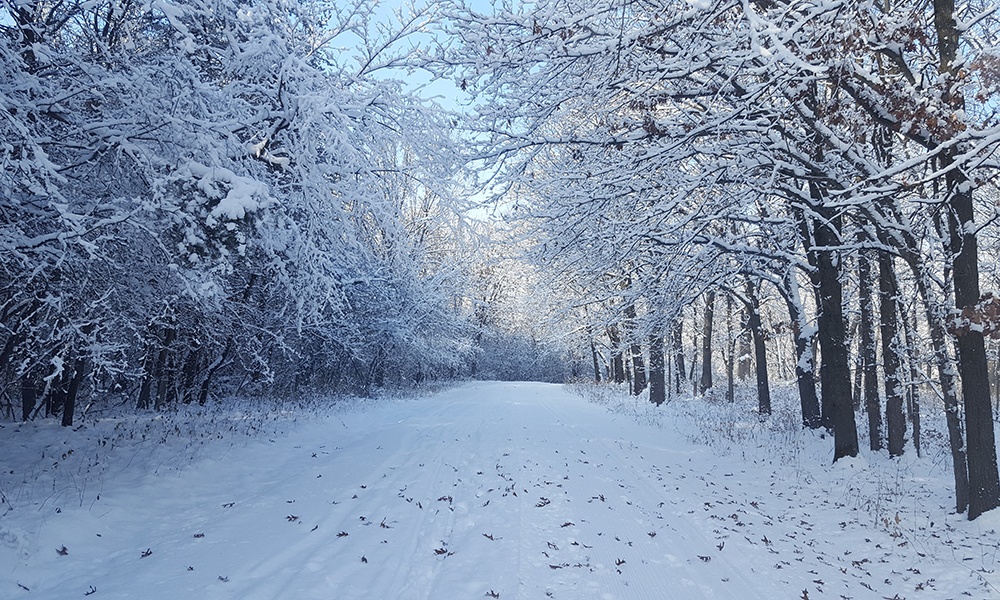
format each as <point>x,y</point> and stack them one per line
<point>760,350</point>
<point>72,390</point>
<point>160,369</point>
<point>56,397</point>
<point>889,330</point>
<point>804,376</point>
<point>730,351</point>
<point>617,360</point>
<point>678,342</point>
<point>706,342</point>
<point>657,377</point>
<point>29,396</point>
<point>695,346</point>
<point>638,370</point>
<point>635,350</point>
<point>981,457</point>
<point>935,314</point>
<point>618,366</point>
<point>912,390</point>
<point>190,372</point>
<point>869,366</point>
<point>743,349</point>
<point>804,227</point>
<point>835,372</point>
<point>597,364</point>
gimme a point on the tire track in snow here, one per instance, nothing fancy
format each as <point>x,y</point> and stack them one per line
<point>690,557</point>
<point>324,553</point>
<point>521,486</point>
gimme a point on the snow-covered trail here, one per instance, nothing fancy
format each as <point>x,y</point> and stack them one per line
<point>487,490</point>
<point>509,489</point>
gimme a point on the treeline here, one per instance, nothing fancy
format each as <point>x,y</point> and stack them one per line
<point>215,197</point>
<point>836,160</point>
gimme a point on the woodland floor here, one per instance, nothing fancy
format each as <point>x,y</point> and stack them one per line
<point>502,490</point>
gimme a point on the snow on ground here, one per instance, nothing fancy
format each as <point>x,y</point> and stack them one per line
<point>486,490</point>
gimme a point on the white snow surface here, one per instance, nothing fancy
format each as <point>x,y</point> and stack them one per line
<point>487,490</point>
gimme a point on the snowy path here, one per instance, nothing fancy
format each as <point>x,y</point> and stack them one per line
<point>488,490</point>
<point>499,488</point>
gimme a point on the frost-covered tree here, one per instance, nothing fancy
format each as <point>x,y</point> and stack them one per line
<point>661,129</point>
<point>217,195</point>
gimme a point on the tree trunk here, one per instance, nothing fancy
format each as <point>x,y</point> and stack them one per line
<point>69,399</point>
<point>743,348</point>
<point>638,370</point>
<point>597,365</point>
<point>29,396</point>
<point>56,397</point>
<point>678,342</point>
<point>160,370</point>
<point>803,332</point>
<point>638,366</point>
<point>694,356</point>
<point>760,351</point>
<point>981,457</point>
<point>190,372</point>
<point>212,369</point>
<point>617,360</point>
<point>730,351</point>
<point>657,378</point>
<point>935,314</point>
<point>835,373</point>
<point>869,366</point>
<point>889,330</point>
<point>706,343</point>
<point>912,390</point>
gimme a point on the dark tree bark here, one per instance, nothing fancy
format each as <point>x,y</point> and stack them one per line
<point>617,360</point>
<point>869,366</point>
<point>29,396</point>
<point>984,483</point>
<point>594,356</point>
<point>146,383</point>
<point>635,350</point>
<point>981,457</point>
<point>935,315</point>
<point>706,342</point>
<point>912,394</point>
<point>56,397</point>
<point>678,343</point>
<point>730,351</point>
<point>743,349</point>
<point>889,330</point>
<point>8,349</point>
<point>657,377</point>
<point>804,376</point>
<point>160,370</point>
<point>638,370</point>
<point>760,350</point>
<point>693,368</point>
<point>806,235</point>
<point>212,370</point>
<point>835,372</point>
<point>190,372</point>
<point>72,390</point>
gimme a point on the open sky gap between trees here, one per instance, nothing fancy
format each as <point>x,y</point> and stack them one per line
<point>203,200</point>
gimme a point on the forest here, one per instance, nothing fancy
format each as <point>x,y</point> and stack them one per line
<point>209,199</point>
